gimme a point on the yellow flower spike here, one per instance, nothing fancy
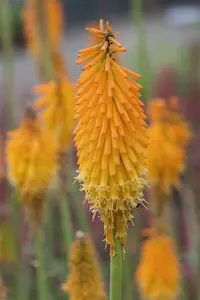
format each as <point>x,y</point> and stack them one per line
<point>169,134</point>
<point>31,158</point>
<point>52,22</point>
<point>57,104</point>
<point>84,281</point>
<point>158,274</point>
<point>59,64</point>
<point>111,136</point>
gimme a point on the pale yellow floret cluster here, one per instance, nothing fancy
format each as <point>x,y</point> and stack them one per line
<point>84,281</point>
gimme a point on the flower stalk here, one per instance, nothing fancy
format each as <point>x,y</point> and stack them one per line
<point>116,272</point>
<point>66,225</point>
<point>41,274</point>
<point>36,11</point>
<point>142,51</point>
<point>7,46</point>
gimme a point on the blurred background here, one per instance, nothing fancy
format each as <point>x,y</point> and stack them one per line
<point>163,42</point>
<point>170,33</point>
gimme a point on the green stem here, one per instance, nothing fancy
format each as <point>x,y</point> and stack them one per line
<point>116,272</point>
<point>15,221</point>
<point>142,58</point>
<point>198,272</point>
<point>49,226</point>
<point>64,203</point>
<point>66,226</point>
<point>80,213</point>
<point>45,61</point>
<point>127,278</point>
<point>77,202</point>
<point>7,51</point>
<point>25,282</point>
<point>41,274</point>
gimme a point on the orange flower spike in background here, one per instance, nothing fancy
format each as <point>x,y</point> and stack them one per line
<point>84,281</point>
<point>31,156</point>
<point>158,274</point>
<point>169,134</point>
<point>57,104</point>
<point>111,136</point>
<point>52,21</point>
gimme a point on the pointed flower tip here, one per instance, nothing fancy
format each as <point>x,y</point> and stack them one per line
<point>84,280</point>
<point>79,234</point>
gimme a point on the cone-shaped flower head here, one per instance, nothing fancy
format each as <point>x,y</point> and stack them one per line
<point>57,101</point>
<point>45,16</point>
<point>31,158</point>
<point>84,281</point>
<point>111,136</point>
<point>95,39</point>
<point>158,274</point>
<point>169,134</point>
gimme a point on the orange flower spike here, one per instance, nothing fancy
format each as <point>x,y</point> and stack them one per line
<point>57,103</point>
<point>169,134</point>
<point>158,274</point>
<point>31,156</point>
<point>112,132</point>
<point>52,21</point>
<point>84,281</point>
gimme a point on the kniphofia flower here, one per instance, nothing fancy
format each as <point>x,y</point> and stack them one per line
<point>169,134</point>
<point>111,136</point>
<point>31,159</point>
<point>57,104</point>
<point>84,281</point>
<point>158,273</point>
<point>45,16</point>
<point>93,40</point>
